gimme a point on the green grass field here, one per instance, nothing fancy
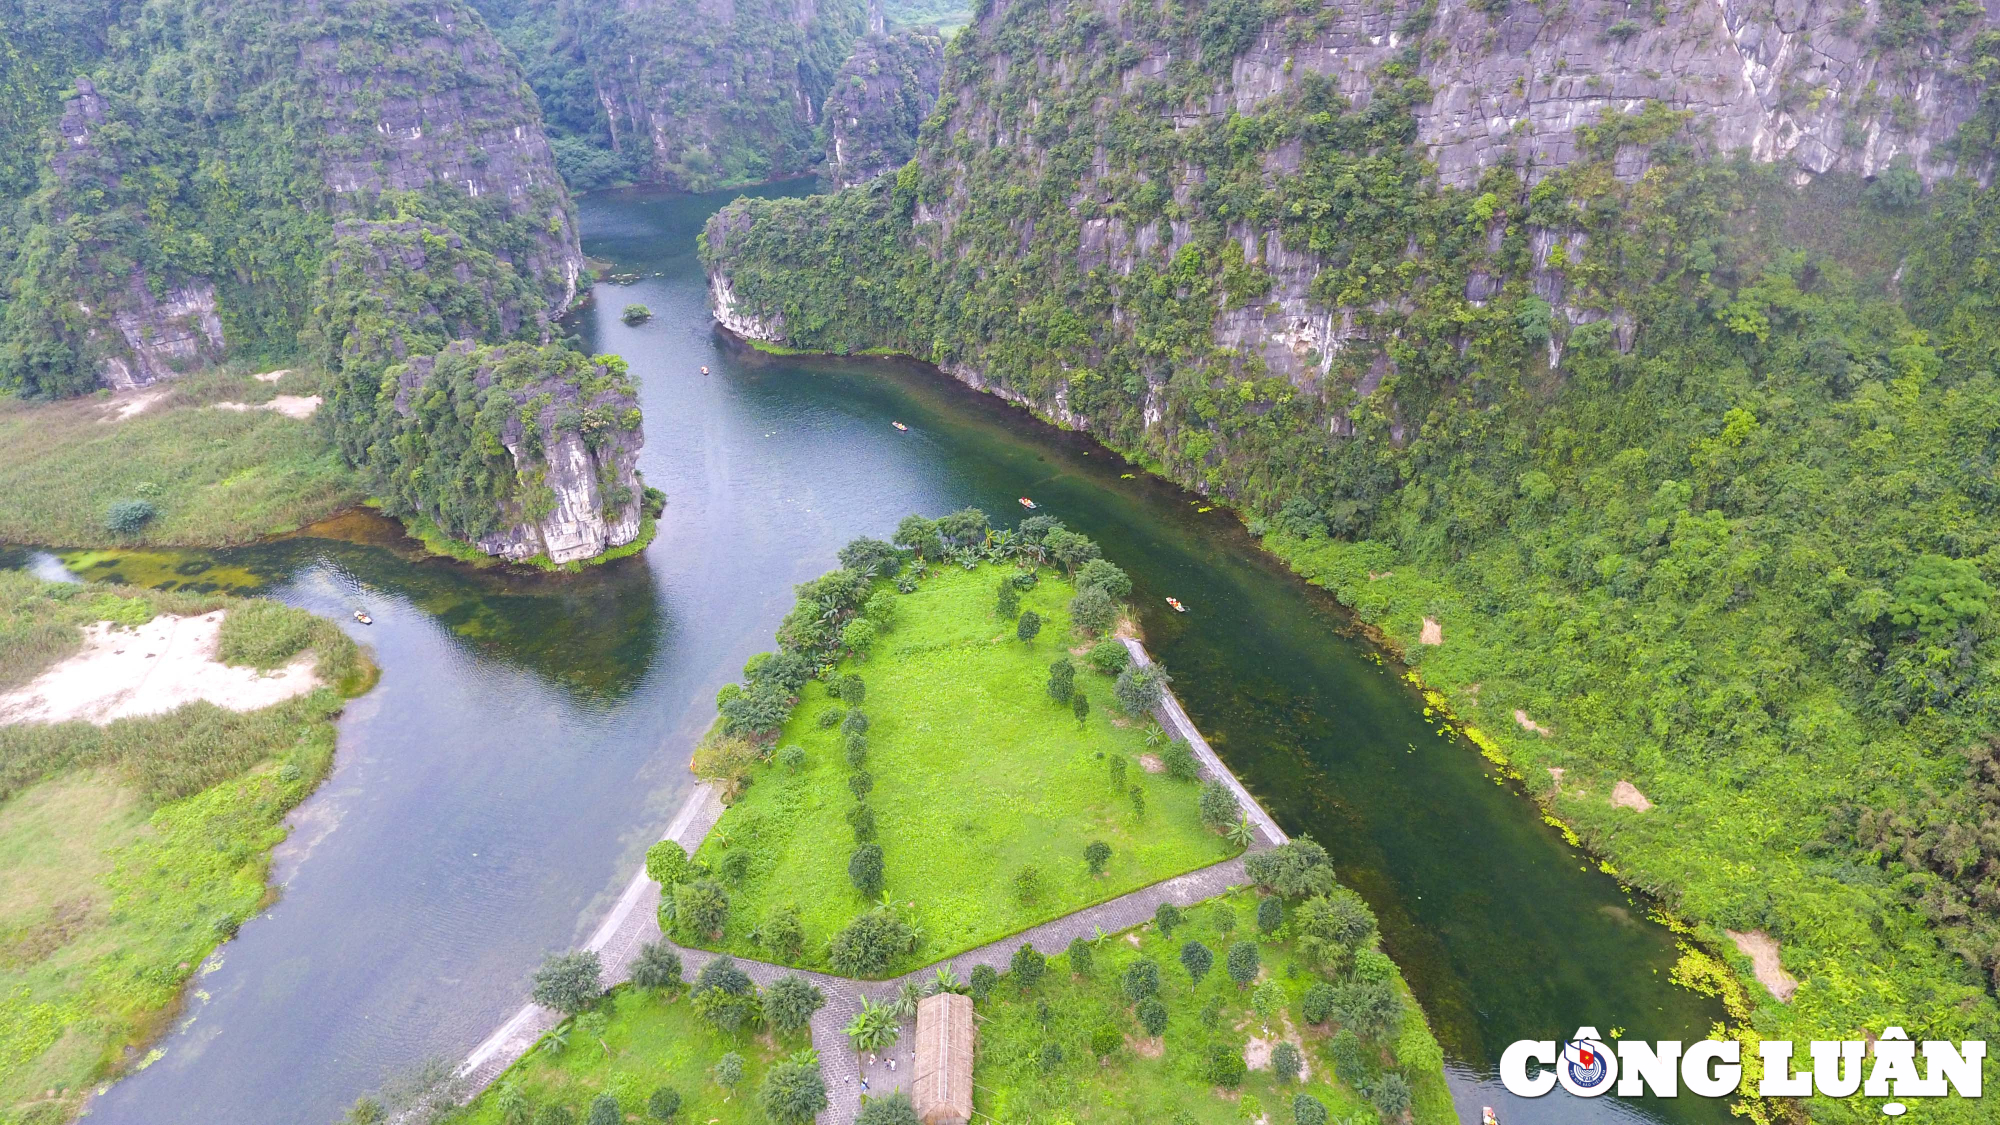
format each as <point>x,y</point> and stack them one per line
<point>1163,1081</point>
<point>978,776</point>
<point>217,476</point>
<point>648,1041</point>
<point>129,852</point>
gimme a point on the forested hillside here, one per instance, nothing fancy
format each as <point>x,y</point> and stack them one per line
<point>1653,356</point>
<point>351,184</point>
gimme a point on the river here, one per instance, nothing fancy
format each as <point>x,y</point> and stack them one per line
<point>531,733</point>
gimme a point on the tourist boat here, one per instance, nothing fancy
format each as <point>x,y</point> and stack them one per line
<point>899,425</point>
<point>1486,1116</point>
<point>1027,503</point>
<point>363,618</point>
<point>1176,603</point>
<point>704,371</point>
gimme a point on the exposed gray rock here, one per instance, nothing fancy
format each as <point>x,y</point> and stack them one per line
<point>879,100</point>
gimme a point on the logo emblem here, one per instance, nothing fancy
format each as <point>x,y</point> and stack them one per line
<point>1588,1065</point>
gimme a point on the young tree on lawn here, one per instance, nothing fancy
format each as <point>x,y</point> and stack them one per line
<point>919,536</point>
<point>728,1070</point>
<point>1008,605</point>
<point>664,1104</point>
<point>1218,807</point>
<point>568,982</point>
<point>1152,1016</point>
<point>1079,705</point>
<point>1029,624</point>
<point>1243,962</point>
<point>1098,574</point>
<point>1062,680</point>
<point>864,867</point>
<point>1286,1062</point>
<point>1096,855</point>
<point>604,1111</point>
<point>1165,918</point>
<point>1092,611</point>
<point>1079,956</point>
<point>667,863</point>
<point>1197,960</point>
<point>1308,1110</point>
<point>1027,966</point>
<point>1270,914</point>
<point>889,1109</point>
<point>1140,980</point>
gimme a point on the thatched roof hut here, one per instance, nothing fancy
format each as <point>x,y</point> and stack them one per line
<point>942,1091</point>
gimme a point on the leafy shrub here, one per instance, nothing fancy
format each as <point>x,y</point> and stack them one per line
<point>1318,1002</point>
<point>1028,883</point>
<point>869,943</point>
<point>1225,1066</point>
<point>1270,915</point>
<point>127,517</point>
<point>1079,706</point>
<point>1293,869</point>
<point>1092,611</point>
<point>1105,1041</point>
<point>1140,980</point>
<point>1008,603</point>
<point>858,635</point>
<point>568,982</point>
<point>1349,1058</point>
<point>831,717</point>
<point>1051,1057</point>
<point>856,722</point>
<point>1096,855</point>
<point>1152,1016</point>
<point>862,783</point>
<point>862,818</point>
<point>1197,959</point>
<point>1097,574</point>
<point>853,691</point>
<point>1109,657</point>
<point>1027,966</point>
<point>1370,1008</point>
<point>664,1104</point>
<point>1029,624</point>
<point>1140,688</point>
<point>871,557</point>
<point>1062,680</point>
<point>856,750</point>
<point>1243,962</point>
<point>888,1109</point>
<point>1166,917</point>
<point>700,909</point>
<point>263,634</point>
<point>781,932</point>
<point>636,314</point>
<point>604,1111</point>
<point>1079,956</point>
<point>864,869</point>
<point>1391,1095</point>
<point>657,967</point>
<point>980,982</point>
<point>793,758</point>
<point>790,1002</point>
<point>1179,760</point>
<point>728,1070</point>
<point>1308,1110</point>
<point>1218,807</point>
<point>1300,518</point>
<point>1285,1062</point>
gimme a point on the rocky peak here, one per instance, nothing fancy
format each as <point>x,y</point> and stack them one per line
<point>879,101</point>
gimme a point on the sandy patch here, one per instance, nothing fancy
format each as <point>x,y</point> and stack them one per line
<point>291,406</point>
<point>1762,949</point>
<point>1151,764</point>
<point>131,404</point>
<point>273,376</point>
<point>1626,795</point>
<point>1374,577</point>
<point>150,670</point>
<point>1146,1048</point>
<point>1257,1052</point>
<point>1556,774</point>
<point>1134,939</point>
<point>1531,726</point>
<point>1433,633</point>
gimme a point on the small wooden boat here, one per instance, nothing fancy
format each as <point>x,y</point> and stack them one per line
<point>363,618</point>
<point>704,371</point>
<point>899,425</point>
<point>1176,603</point>
<point>1486,1116</point>
<point>1027,503</point>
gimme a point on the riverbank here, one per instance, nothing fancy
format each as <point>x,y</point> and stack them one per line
<point>137,836</point>
<point>225,457</point>
<point>507,1071</point>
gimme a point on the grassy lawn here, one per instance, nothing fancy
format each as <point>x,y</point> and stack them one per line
<point>647,1041</point>
<point>129,852</point>
<point>217,476</point>
<point>1165,1080</point>
<point>979,775</point>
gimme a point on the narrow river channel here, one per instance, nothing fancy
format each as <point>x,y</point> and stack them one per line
<point>531,734</point>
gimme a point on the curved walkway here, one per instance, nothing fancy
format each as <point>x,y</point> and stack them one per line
<point>634,921</point>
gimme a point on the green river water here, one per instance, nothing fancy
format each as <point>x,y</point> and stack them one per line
<point>531,733</point>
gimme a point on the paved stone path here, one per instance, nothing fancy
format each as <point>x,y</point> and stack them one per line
<point>634,921</point>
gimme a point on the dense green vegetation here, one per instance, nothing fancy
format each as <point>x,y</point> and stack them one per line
<point>212,476</point>
<point>632,1044</point>
<point>1718,514</point>
<point>714,103</point>
<point>130,851</point>
<point>837,852</point>
<point>542,37</point>
<point>1079,1044</point>
<point>879,101</point>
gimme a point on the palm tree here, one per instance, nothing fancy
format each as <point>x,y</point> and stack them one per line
<point>905,1003</point>
<point>1241,834</point>
<point>947,981</point>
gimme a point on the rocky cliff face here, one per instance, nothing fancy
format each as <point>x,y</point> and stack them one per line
<point>719,91</point>
<point>1270,177</point>
<point>172,263</point>
<point>528,452</point>
<point>881,97</point>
